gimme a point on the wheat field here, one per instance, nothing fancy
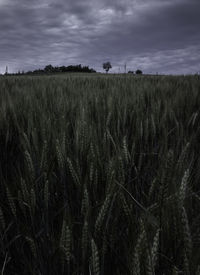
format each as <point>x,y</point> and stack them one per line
<point>99,174</point>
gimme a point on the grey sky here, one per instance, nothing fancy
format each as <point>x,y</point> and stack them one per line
<point>153,35</point>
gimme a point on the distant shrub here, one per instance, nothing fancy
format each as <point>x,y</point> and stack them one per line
<point>138,72</point>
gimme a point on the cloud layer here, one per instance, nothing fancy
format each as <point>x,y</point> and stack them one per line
<point>156,36</point>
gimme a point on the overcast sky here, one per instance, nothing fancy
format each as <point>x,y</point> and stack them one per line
<point>152,35</point>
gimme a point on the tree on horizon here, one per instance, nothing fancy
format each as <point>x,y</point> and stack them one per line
<point>107,66</point>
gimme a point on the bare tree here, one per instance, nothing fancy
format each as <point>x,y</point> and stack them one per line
<point>6,72</point>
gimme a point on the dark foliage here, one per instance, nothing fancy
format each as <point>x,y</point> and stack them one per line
<point>138,72</point>
<point>49,69</point>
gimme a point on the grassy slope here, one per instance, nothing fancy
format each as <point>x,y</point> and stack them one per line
<point>99,173</point>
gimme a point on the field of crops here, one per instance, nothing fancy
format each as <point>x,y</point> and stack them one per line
<point>99,175</point>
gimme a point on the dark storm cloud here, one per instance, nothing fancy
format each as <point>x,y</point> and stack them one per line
<point>154,35</point>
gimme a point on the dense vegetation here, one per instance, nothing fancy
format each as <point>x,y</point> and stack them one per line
<point>99,175</point>
<point>49,69</point>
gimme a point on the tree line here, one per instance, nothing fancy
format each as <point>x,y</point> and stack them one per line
<point>49,69</point>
